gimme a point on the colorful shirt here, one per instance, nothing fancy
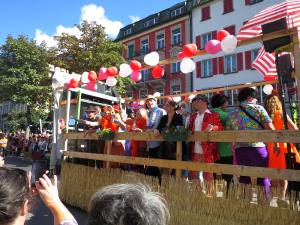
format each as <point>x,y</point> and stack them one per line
<point>224,148</point>
<point>154,119</point>
<point>238,120</point>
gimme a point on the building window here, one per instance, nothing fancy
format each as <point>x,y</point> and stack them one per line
<point>151,22</point>
<point>251,2</point>
<point>128,31</point>
<point>143,93</point>
<point>207,68</point>
<point>205,13</point>
<point>130,51</point>
<point>160,40</point>
<point>254,54</point>
<point>230,64</point>
<point>228,6</point>
<point>160,101</point>
<point>145,46</point>
<point>175,87</point>
<point>205,38</point>
<point>145,75</point>
<point>175,68</point>
<point>176,37</point>
<point>177,12</point>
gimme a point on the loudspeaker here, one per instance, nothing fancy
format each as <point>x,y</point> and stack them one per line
<point>273,44</point>
<point>285,68</point>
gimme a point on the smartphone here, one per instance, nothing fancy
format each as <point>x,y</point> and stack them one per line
<point>38,169</point>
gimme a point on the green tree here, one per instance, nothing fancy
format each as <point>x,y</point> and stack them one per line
<point>24,74</point>
<point>90,51</point>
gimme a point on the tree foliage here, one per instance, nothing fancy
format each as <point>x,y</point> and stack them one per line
<point>90,51</point>
<point>24,74</point>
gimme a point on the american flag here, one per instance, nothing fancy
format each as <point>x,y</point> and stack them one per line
<point>289,9</point>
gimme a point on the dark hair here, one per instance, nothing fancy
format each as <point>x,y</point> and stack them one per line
<point>172,103</point>
<point>14,191</point>
<point>127,204</point>
<point>218,100</point>
<point>246,93</point>
<point>200,97</point>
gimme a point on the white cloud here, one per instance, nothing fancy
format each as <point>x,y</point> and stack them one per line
<point>134,18</point>
<point>89,13</point>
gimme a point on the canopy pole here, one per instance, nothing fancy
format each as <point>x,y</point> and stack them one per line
<point>297,66</point>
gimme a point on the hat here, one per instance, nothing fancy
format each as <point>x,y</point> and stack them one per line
<point>150,97</point>
<point>200,97</point>
<point>91,109</point>
<point>116,107</point>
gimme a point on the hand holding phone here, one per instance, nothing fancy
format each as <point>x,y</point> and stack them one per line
<point>39,168</point>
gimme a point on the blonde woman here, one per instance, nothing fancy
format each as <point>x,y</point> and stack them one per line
<point>277,153</point>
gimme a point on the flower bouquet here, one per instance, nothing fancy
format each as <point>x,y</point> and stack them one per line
<point>176,134</point>
<point>105,134</point>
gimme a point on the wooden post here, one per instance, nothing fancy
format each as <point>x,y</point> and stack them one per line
<point>178,157</point>
<point>297,65</point>
<point>108,149</point>
<point>67,118</point>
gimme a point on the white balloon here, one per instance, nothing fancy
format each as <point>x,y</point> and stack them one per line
<point>229,44</point>
<point>85,77</point>
<point>156,94</point>
<point>111,81</point>
<point>191,97</point>
<point>268,88</point>
<point>177,99</point>
<point>151,59</point>
<point>187,65</point>
<point>125,70</point>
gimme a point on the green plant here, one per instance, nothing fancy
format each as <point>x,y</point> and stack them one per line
<point>105,134</point>
<point>176,134</point>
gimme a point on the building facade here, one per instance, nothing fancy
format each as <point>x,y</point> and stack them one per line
<point>164,32</point>
<point>221,70</point>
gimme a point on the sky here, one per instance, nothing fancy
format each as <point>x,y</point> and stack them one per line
<point>41,19</point>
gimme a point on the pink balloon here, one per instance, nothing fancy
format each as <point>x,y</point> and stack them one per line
<point>136,76</point>
<point>92,86</point>
<point>213,46</point>
<point>102,75</point>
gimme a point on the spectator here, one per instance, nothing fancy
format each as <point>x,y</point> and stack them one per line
<point>127,204</point>
<point>250,116</point>
<point>3,145</point>
<point>154,114</point>
<point>16,197</point>
<point>219,103</point>
<point>204,120</point>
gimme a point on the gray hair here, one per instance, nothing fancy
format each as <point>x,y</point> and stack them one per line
<point>127,204</point>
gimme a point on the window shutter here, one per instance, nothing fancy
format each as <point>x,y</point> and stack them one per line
<point>248,61</point>
<point>228,6</point>
<point>221,65</point>
<point>247,2</point>
<point>198,41</point>
<point>215,66</point>
<point>205,13</point>
<point>198,69</point>
<point>240,61</point>
<point>230,29</point>
<point>214,34</point>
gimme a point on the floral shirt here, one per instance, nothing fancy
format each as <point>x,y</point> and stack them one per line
<point>238,120</point>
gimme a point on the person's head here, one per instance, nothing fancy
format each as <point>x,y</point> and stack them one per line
<point>141,113</point>
<point>200,103</point>
<point>127,204</point>
<point>170,105</point>
<point>151,102</point>
<point>98,109</point>
<point>272,105</point>
<point>247,94</point>
<point>91,110</point>
<point>219,101</point>
<point>14,195</point>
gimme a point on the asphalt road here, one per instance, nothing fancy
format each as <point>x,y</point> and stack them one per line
<point>39,213</point>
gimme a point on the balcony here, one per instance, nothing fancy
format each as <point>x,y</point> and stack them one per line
<point>152,82</point>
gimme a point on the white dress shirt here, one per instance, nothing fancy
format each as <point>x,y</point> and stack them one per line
<point>198,126</point>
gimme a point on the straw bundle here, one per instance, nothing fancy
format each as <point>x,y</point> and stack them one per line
<point>187,202</point>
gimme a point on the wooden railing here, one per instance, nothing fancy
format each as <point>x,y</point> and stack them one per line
<point>220,136</point>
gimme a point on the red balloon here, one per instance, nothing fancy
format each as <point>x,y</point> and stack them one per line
<point>135,65</point>
<point>270,78</point>
<point>73,83</point>
<point>92,76</point>
<point>112,71</point>
<point>189,50</point>
<point>222,34</point>
<point>158,72</point>
<point>180,55</point>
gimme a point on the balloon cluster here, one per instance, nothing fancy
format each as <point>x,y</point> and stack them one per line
<point>225,42</point>
<point>187,65</point>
